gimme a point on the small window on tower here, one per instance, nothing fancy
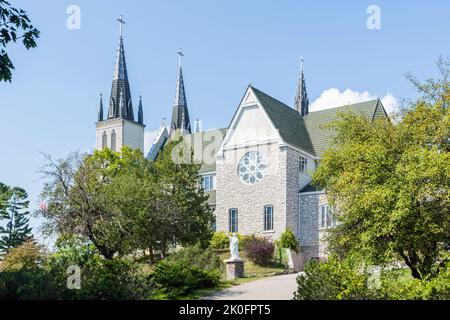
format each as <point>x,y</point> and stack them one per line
<point>113,141</point>
<point>104,140</point>
<point>303,165</point>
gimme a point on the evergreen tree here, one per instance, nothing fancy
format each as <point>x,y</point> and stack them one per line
<point>13,209</point>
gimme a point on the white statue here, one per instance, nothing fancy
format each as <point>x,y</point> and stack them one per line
<point>234,247</point>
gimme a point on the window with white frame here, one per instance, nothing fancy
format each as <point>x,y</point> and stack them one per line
<point>326,217</point>
<point>303,164</point>
<point>208,182</point>
<point>268,218</point>
<point>233,220</point>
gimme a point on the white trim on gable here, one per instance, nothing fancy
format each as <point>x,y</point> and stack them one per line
<point>246,103</point>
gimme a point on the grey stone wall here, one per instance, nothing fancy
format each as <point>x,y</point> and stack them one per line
<point>311,236</point>
<point>250,200</point>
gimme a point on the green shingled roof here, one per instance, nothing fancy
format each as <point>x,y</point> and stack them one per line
<point>289,122</point>
<point>315,121</point>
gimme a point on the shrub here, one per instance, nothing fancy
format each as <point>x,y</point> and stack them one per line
<point>219,241</point>
<point>197,256</point>
<point>259,250</point>
<point>288,240</point>
<point>101,278</point>
<point>27,256</point>
<point>436,287</point>
<point>331,280</point>
<point>174,278</point>
<point>28,284</point>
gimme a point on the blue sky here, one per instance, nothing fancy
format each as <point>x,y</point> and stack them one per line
<point>51,105</point>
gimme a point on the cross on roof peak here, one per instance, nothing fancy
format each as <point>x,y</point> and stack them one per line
<point>180,54</point>
<point>122,22</point>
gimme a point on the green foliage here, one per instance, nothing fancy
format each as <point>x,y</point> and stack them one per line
<point>13,205</point>
<point>219,241</point>
<point>27,256</point>
<point>23,277</point>
<point>389,183</point>
<point>197,256</point>
<point>174,278</point>
<point>339,280</point>
<point>332,280</point>
<point>259,250</point>
<point>123,202</point>
<point>288,240</point>
<point>28,276</point>
<point>177,177</point>
<point>26,284</point>
<point>101,278</point>
<point>13,21</point>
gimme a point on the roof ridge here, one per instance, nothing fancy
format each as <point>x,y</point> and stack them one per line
<point>284,104</point>
<point>347,105</point>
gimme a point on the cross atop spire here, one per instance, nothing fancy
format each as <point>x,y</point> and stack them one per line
<point>180,54</point>
<point>301,102</point>
<point>301,64</point>
<point>120,87</point>
<point>180,114</point>
<point>122,22</point>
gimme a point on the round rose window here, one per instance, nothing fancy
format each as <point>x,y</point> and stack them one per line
<point>251,168</point>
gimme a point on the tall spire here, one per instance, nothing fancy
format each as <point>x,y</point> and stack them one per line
<point>120,84</point>
<point>100,109</point>
<point>301,99</point>
<point>140,112</point>
<point>180,114</point>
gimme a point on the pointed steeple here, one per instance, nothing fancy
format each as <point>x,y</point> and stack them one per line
<point>100,109</point>
<point>301,99</point>
<point>180,114</point>
<point>120,84</point>
<point>197,125</point>
<point>140,112</point>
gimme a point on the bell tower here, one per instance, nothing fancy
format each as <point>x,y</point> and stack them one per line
<point>119,128</point>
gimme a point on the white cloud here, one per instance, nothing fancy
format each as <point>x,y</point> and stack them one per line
<point>149,139</point>
<point>332,98</point>
<point>390,103</point>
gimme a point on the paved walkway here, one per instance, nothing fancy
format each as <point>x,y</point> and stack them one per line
<point>271,288</point>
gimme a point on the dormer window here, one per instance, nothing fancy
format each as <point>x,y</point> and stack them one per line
<point>303,165</point>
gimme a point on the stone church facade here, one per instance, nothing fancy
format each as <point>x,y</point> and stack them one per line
<point>257,171</point>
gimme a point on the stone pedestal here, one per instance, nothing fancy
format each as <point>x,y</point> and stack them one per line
<point>235,268</point>
<point>295,260</point>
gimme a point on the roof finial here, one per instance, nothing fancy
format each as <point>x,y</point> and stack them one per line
<point>301,63</point>
<point>180,54</point>
<point>100,109</point>
<point>301,102</point>
<point>121,22</point>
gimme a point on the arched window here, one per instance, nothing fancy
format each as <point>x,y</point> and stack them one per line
<point>113,140</point>
<point>104,140</point>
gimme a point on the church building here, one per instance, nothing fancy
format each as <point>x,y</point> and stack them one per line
<point>257,171</point>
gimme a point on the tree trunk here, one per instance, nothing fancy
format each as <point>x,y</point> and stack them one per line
<point>414,271</point>
<point>152,255</point>
<point>163,249</point>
